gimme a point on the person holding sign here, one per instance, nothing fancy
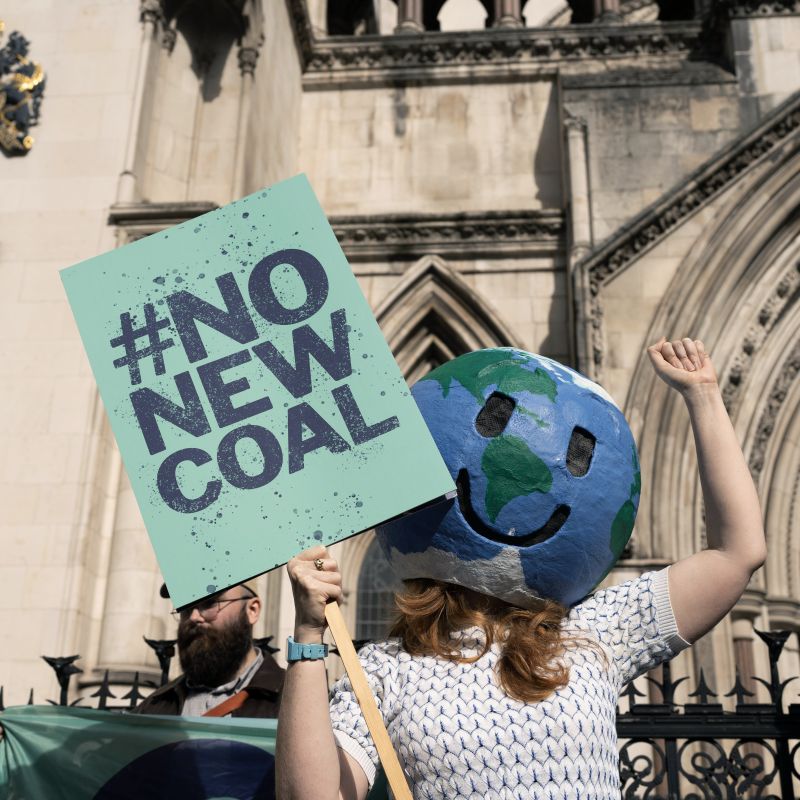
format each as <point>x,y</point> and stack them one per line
<point>502,673</point>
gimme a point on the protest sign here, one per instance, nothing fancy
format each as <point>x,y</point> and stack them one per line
<point>255,402</point>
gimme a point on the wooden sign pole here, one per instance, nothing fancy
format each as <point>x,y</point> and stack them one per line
<point>358,679</point>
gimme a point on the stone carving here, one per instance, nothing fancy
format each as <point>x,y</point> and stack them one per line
<point>169,36</point>
<point>766,425</point>
<point>415,234</point>
<point>785,294</point>
<point>248,58</point>
<point>151,11</point>
<point>518,46</point>
<point>22,85</point>
<point>758,8</point>
<point>791,527</point>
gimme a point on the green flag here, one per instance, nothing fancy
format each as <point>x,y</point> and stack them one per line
<point>55,753</point>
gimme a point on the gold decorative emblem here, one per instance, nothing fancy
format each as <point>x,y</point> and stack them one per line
<point>21,88</point>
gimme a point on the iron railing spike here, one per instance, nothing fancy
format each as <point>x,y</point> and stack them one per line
<point>703,690</point>
<point>631,692</point>
<point>65,668</point>
<point>134,695</point>
<point>165,652</point>
<point>104,692</point>
<point>739,690</point>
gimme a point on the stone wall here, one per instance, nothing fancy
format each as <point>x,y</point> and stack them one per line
<point>487,146</point>
<point>766,59</point>
<point>53,213</point>
<point>644,139</point>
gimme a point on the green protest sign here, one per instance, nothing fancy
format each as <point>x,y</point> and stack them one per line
<point>255,402</point>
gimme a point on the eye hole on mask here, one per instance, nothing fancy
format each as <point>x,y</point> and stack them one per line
<point>580,452</point>
<point>495,414</point>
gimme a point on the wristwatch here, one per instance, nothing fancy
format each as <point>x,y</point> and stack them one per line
<point>295,651</point>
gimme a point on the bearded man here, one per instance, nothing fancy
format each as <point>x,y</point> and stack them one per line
<point>223,673</point>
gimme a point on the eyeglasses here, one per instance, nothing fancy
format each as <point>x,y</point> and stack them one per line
<point>209,609</point>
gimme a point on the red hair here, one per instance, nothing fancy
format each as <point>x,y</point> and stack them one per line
<point>530,667</point>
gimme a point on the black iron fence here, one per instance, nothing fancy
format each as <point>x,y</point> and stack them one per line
<point>668,751</point>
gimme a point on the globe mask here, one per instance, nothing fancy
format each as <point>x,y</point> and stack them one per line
<point>547,476</point>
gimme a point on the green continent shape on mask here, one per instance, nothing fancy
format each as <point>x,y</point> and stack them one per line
<point>476,371</point>
<point>512,470</point>
<point>621,528</point>
<point>636,487</point>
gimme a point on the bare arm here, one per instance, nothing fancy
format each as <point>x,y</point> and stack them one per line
<point>309,765</point>
<point>706,585</point>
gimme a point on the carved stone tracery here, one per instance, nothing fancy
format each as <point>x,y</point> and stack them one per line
<point>248,58</point>
<point>413,235</point>
<point>766,424</point>
<point>783,297</point>
<point>762,8</point>
<point>503,46</point>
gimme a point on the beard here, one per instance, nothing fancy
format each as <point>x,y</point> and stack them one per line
<point>211,656</point>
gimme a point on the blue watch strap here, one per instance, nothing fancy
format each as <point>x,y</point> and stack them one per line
<point>296,651</point>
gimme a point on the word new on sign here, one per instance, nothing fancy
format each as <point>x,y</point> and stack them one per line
<point>235,322</point>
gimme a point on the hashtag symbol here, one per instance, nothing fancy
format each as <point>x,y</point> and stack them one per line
<point>130,335</point>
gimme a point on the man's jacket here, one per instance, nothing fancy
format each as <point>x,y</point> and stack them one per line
<point>263,694</point>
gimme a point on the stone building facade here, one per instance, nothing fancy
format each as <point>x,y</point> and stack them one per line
<point>571,178</point>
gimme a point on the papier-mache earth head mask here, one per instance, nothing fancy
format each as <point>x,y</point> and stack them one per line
<point>547,476</point>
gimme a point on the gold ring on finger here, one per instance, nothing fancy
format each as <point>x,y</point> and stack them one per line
<point>319,564</point>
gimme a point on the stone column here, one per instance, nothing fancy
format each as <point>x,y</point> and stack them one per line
<point>248,57</point>
<point>409,16</point>
<point>132,604</point>
<point>580,218</point>
<point>579,232</point>
<point>151,17</point>
<point>607,11</point>
<point>507,14</point>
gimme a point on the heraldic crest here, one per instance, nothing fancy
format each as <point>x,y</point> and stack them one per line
<point>21,89</point>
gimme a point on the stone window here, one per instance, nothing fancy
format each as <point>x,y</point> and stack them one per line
<point>377,584</point>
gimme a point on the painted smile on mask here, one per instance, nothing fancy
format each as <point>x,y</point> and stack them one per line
<point>549,529</point>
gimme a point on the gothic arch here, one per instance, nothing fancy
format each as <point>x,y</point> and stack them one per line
<point>738,290</point>
<point>433,315</point>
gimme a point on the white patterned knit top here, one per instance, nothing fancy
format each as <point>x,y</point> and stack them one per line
<point>459,735</point>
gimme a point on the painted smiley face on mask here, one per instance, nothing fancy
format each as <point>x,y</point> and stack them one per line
<point>547,476</point>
